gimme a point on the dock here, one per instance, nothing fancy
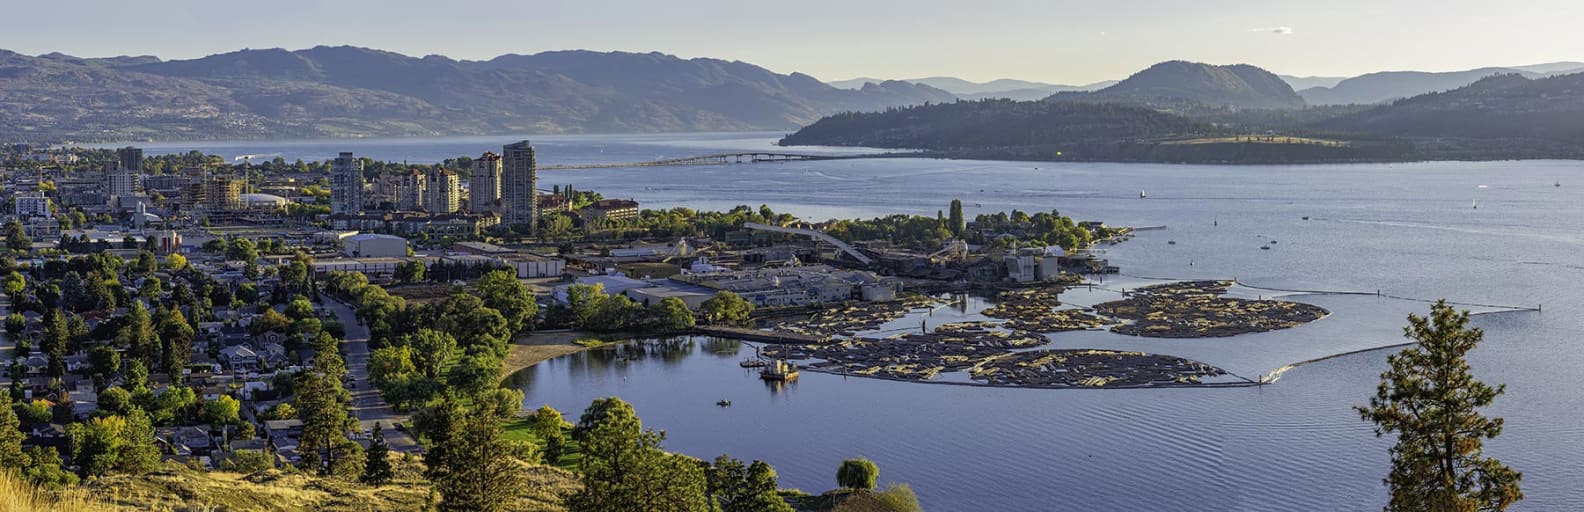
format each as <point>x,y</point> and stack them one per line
<point>740,333</point>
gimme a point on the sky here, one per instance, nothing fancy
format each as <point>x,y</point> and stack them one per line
<point>1058,41</point>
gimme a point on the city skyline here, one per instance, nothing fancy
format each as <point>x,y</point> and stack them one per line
<point>1058,42</point>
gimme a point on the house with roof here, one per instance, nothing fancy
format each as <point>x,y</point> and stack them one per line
<point>239,358</point>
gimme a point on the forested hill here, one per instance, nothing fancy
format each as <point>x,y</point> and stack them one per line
<point>994,123</point>
<point>1507,107</point>
<point>350,92</point>
<point>1182,84</point>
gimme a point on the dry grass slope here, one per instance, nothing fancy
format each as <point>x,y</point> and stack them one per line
<point>177,488</point>
<point>17,495</point>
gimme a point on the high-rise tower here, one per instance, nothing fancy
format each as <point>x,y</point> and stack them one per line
<point>346,184</point>
<point>484,187</point>
<point>519,179</point>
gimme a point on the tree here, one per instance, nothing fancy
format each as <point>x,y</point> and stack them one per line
<point>624,468</point>
<point>16,237</point>
<point>472,467</point>
<point>105,362</point>
<point>175,261</point>
<point>222,411</point>
<point>176,340</point>
<point>143,265</point>
<point>584,301</point>
<point>14,283</point>
<point>115,400</point>
<point>473,324</point>
<point>138,453</point>
<point>411,271</point>
<point>53,344</point>
<point>727,308</point>
<point>857,473</point>
<point>1430,400</point>
<point>377,470</point>
<point>138,335</point>
<point>247,461</point>
<point>321,405</point>
<point>11,436</point>
<point>15,323</point>
<point>955,222</point>
<point>431,350</point>
<point>672,314</point>
<point>502,291</point>
<point>151,288</point>
<point>270,320</point>
<point>550,427</point>
<point>475,373</point>
<point>738,488</point>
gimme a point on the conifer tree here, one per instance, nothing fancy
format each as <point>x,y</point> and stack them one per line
<point>1430,400</point>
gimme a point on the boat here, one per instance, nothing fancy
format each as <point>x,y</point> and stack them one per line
<point>1265,247</point>
<point>752,363</point>
<point>1171,242</point>
<point>1476,204</point>
<point>779,370</point>
<point>1142,195</point>
<point>1306,217</point>
<point>1558,184</point>
<point>724,403</point>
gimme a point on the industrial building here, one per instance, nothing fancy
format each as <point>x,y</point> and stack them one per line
<point>371,245</point>
<point>797,286</point>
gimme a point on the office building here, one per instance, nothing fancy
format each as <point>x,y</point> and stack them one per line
<point>484,187</point>
<point>131,159</point>
<point>346,184</point>
<point>519,178</point>
<point>408,191</point>
<point>32,205</point>
<point>119,182</point>
<point>442,192</point>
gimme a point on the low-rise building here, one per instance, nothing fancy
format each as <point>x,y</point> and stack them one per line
<point>609,209</point>
<point>370,245</point>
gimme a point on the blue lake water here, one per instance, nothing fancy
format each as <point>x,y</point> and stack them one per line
<point>1406,230</point>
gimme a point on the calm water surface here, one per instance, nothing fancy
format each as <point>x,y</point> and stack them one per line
<point>1406,230</point>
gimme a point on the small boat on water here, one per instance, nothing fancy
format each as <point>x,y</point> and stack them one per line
<point>1265,247</point>
<point>724,403</point>
<point>1142,195</point>
<point>752,363</point>
<point>1559,184</point>
<point>1476,204</point>
<point>1171,242</point>
<point>1306,217</point>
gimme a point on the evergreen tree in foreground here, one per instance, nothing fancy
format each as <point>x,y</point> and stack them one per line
<point>624,469</point>
<point>472,467</point>
<point>1430,401</point>
<point>377,470</point>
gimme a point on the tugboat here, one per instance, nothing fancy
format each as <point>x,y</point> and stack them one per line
<point>779,370</point>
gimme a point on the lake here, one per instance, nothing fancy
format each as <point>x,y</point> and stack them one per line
<point>1406,230</point>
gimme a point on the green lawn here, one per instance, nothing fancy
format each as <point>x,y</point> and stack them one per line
<point>518,429</point>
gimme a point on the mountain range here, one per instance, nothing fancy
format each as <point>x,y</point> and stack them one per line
<point>350,92</point>
<point>1004,88</point>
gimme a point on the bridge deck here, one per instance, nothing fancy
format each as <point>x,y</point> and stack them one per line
<point>714,159</point>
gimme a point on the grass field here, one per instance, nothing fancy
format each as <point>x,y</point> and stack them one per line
<point>519,429</point>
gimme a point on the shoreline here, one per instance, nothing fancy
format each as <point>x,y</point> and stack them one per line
<point>527,351</point>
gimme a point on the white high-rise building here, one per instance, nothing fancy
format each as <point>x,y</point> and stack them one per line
<point>346,184</point>
<point>484,188</point>
<point>120,182</point>
<point>34,205</point>
<point>519,178</point>
<point>442,192</point>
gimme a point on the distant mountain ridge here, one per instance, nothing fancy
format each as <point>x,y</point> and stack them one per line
<point>1004,88</point>
<point>1500,107</point>
<point>1182,84</point>
<point>349,91</point>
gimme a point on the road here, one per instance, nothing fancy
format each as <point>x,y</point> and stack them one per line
<point>367,404</point>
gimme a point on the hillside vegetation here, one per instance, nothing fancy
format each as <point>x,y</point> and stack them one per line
<point>352,92</point>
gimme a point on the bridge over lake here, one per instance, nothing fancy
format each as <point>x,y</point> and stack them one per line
<point>751,157</point>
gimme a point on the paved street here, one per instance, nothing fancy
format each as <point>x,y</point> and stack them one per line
<point>367,404</point>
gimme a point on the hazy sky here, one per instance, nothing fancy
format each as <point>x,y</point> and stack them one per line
<point>1051,40</point>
